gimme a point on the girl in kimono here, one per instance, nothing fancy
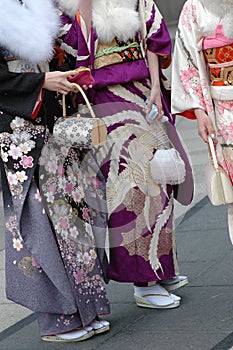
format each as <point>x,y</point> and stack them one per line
<point>202,75</point>
<point>125,43</point>
<point>52,266</point>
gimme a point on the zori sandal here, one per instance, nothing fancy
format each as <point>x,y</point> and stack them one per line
<point>155,297</point>
<point>100,326</point>
<point>146,301</point>
<point>76,335</point>
<point>174,283</point>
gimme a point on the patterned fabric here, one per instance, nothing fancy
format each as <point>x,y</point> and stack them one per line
<point>140,213</point>
<point>192,83</point>
<point>117,52</point>
<point>53,213</point>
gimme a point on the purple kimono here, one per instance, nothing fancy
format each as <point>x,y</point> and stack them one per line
<point>140,212</point>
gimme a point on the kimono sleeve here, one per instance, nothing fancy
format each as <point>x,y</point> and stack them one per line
<point>19,92</point>
<point>72,40</point>
<point>187,84</point>
<point>158,38</point>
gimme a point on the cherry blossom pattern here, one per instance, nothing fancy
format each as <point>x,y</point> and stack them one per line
<point>16,147</point>
<point>13,227</point>
<point>64,180</point>
<point>188,15</point>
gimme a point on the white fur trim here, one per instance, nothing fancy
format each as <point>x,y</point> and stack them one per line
<point>69,7</point>
<point>218,12</point>
<point>109,17</point>
<point>115,18</point>
<point>29,31</point>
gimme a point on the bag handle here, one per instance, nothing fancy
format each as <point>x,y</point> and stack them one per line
<point>212,153</point>
<point>78,87</point>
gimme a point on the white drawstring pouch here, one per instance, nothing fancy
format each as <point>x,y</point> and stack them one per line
<point>167,167</point>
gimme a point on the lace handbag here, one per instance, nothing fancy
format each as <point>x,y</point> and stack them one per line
<point>79,132</point>
<point>218,184</point>
<point>167,167</point>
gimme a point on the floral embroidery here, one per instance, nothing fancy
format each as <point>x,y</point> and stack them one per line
<point>29,267</point>
<point>16,147</point>
<point>13,227</point>
<point>194,86</point>
<point>26,162</point>
<point>17,243</point>
<point>188,15</point>
<point>63,182</point>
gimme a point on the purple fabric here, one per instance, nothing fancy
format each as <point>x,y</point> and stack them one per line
<point>160,41</point>
<point>126,263</point>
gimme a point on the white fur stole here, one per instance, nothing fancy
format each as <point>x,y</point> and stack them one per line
<point>29,31</point>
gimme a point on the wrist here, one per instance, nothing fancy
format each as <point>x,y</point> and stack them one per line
<point>200,113</point>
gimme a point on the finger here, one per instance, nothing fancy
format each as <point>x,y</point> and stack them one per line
<point>149,105</point>
<point>69,73</point>
<point>203,133</point>
<point>161,114</point>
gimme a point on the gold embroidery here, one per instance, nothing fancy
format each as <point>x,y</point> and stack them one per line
<point>165,242</point>
<point>140,247</point>
<point>116,52</point>
<point>27,268</point>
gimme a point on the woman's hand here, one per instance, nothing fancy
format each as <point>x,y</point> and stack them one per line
<point>57,81</point>
<point>155,97</point>
<point>205,125</point>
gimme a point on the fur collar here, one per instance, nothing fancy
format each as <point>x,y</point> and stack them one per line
<point>115,18</point>
<point>219,12</point>
<point>109,17</point>
<point>29,31</point>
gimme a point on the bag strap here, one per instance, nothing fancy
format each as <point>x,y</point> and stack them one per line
<point>78,88</point>
<point>212,153</point>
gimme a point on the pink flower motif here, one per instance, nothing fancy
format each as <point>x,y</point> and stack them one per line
<point>188,15</point>
<point>96,182</point>
<point>67,322</point>
<point>223,105</point>
<point>68,188</point>
<point>77,196</point>
<point>86,258</point>
<point>35,263</point>
<point>60,170</point>
<point>74,232</point>
<point>15,152</point>
<point>188,74</point>
<point>78,277</point>
<point>85,214</point>
<point>51,166</point>
<point>12,179</point>
<point>52,189</point>
<point>26,162</point>
<point>227,132</point>
<point>37,195</point>
<point>63,224</point>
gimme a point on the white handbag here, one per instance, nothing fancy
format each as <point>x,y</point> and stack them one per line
<point>167,167</point>
<point>218,184</point>
<point>77,131</point>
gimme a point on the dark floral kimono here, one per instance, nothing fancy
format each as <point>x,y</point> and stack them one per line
<point>52,265</point>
